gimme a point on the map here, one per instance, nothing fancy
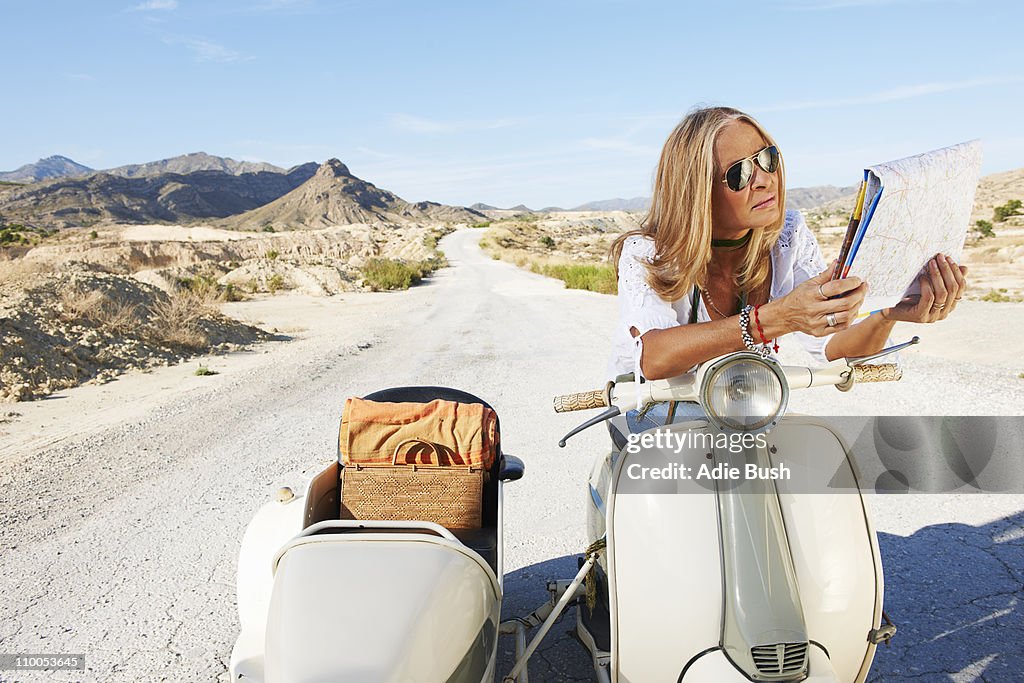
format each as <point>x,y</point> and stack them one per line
<point>922,206</point>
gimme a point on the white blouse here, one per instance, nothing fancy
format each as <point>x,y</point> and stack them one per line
<point>796,258</point>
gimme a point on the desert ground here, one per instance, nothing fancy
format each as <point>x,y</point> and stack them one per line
<point>125,502</point>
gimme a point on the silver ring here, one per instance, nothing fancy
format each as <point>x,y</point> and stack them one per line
<point>822,293</point>
<point>830,318</point>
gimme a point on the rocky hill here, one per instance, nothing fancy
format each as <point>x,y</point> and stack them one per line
<point>164,198</point>
<point>617,204</point>
<point>333,196</point>
<point>810,197</point>
<point>50,167</point>
<point>196,161</point>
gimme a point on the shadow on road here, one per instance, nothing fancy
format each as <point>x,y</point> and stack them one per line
<point>954,592</point>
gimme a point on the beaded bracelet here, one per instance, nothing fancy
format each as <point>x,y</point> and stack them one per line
<point>760,331</point>
<point>748,340</point>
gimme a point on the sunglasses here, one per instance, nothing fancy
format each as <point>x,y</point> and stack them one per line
<point>739,174</point>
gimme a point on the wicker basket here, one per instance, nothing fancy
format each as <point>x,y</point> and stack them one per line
<point>447,495</point>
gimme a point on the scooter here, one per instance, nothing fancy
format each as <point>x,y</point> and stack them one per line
<point>739,574</point>
<point>322,598</point>
<point>744,580</point>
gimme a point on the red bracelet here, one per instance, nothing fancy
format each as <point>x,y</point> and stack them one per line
<point>760,331</point>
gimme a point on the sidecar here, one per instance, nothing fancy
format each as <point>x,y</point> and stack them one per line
<point>324,598</point>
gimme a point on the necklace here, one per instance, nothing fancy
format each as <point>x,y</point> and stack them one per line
<point>736,243</point>
<point>707,297</point>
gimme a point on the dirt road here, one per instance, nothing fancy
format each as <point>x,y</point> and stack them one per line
<point>124,504</point>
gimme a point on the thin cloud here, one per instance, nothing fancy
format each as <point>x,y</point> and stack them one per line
<point>374,153</point>
<point>156,6</point>
<point>619,145</point>
<point>208,51</point>
<point>816,5</point>
<point>891,95</point>
<point>416,124</point>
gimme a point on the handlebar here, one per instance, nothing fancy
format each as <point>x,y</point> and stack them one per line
<point>685,388</point>
<point>888,372</point>
<point>583,400</point>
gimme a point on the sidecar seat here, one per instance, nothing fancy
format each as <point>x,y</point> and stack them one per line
<point>322,501</point>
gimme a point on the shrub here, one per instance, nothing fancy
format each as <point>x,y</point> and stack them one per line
<point>593,278</point>
<point>82,304</point>
<point>484,224</point>
<point>548,241</point>
<point>272,254</point>
<point>121,317</point>
<point>996,297</point>
<point>232,293</point>
<point>175,318</point>
<point>386,274</point>
<point>268,228</point>
<point>203,371</point>
<point>1010,208</point>
<point>275,283</point>
<point>93,234</point>
<point>984,229</point>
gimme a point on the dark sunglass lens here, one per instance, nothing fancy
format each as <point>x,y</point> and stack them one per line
<point>739,174</point>
<point>768,159</point>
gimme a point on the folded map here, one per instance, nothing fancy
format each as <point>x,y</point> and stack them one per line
<point>912,209</point>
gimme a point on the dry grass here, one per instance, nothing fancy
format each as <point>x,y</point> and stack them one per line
<point>172,319</point>
<point>14,270</point>
<point>82,304</point>
<point>175,319</point>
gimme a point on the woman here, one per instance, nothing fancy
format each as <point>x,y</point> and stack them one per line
<point>719,266</point>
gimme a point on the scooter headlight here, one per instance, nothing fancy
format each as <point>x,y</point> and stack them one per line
<point>744,392</point>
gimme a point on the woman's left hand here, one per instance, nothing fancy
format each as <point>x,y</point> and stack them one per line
<point>942,286</point>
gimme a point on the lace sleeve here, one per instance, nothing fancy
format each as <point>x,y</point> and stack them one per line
<point>639,305</point>
<point>807,262</point>
<point>807,258</point>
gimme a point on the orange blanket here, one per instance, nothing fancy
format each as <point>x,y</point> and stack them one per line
<point>455,433</point>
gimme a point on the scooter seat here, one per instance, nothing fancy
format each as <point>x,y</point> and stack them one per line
<point>483,541</point>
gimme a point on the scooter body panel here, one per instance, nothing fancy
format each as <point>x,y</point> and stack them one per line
<point>381,587</point>
<point>664,572</point>
<point>381,607</point>
<point>667,591</point>
<point>834,547</point>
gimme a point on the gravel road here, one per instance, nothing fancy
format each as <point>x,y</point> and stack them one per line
<point>124,504</point>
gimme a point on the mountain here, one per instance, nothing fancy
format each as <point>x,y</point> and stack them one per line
<point>190,163</point>
<point>811,197</point>
<point>480,206</point>
<point>333,196</point>
<point>168,197</point>
<point>617,204</point>
<point>50,167</point>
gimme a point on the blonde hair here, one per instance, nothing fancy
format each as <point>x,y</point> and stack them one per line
<point>679,220</point>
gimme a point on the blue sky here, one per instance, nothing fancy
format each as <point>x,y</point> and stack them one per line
<point>544,103</point>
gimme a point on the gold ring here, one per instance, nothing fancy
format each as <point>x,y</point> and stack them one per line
<point>822,293</point>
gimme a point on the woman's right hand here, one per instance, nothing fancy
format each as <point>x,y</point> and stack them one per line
<point>807,308</point>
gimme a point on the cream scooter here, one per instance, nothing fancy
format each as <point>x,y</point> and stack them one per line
<point>718,551</point>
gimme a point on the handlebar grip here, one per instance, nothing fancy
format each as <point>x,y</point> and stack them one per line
<point>886,372</point>
<point>583,400</point>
